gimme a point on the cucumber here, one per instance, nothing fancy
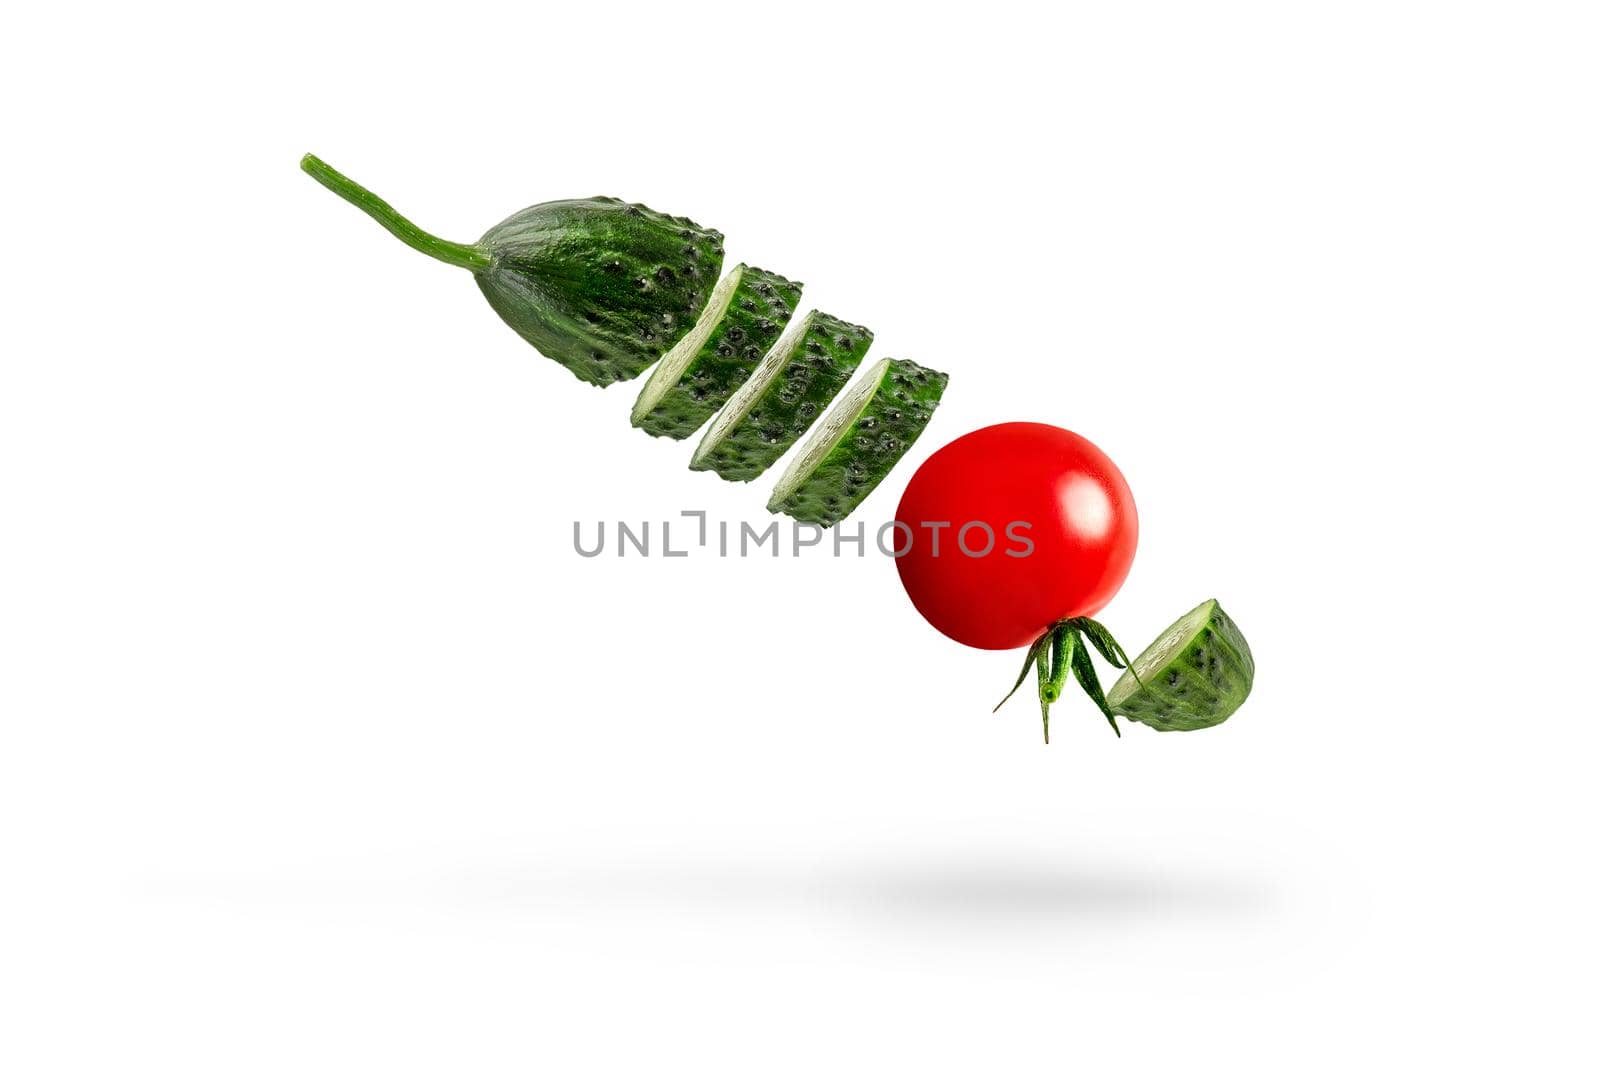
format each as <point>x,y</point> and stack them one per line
<point>599,286</point>
<point>746,313</point>
<point>1195,675</point>
<point>805,370</point>
<point>858,442</point>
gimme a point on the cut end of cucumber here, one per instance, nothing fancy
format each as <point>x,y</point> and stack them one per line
<point>745,398</point>
<point>859,442</point>
<point>677,360</point>
<point>1195,675</point>
<point>828,433</point>
<point>1162,651</point>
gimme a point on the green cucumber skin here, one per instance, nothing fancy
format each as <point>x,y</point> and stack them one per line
<point>762,305</point>
<point>887,427</point>
<point>820,367</point>
<point>1205,686</point>
<point>600,286</point>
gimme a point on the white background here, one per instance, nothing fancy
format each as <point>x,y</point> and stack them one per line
<point>322,747</point>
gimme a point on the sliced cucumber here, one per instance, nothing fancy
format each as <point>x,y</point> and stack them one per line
<point>804,371</point>
<point>746,313</point>
<point>858,442</point>
<point>1195,675</point>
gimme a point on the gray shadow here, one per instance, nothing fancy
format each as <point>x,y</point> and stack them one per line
<point>985,890</point>
<point>956,889</point>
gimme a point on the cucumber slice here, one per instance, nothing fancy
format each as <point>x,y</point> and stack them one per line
<point>805,370</point>
<point>746,313</point>
<point>858,442</point>
<point>1196,674</point>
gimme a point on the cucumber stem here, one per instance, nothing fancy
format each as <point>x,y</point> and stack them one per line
<point>473,257</point>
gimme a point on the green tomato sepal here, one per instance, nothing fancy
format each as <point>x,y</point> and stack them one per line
<point>1063,648</point>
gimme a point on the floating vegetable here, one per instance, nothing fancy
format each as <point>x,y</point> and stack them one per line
<point>1054,513</point>
<point>858,442</point>
<point>746,313</point>
<point>600,286</point>
<point>803,372</point>
<point>1195,675</point>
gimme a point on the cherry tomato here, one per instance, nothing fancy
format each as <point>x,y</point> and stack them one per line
<point>1053,513</point>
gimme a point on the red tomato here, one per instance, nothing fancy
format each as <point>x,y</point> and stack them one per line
<point>1062,533</point>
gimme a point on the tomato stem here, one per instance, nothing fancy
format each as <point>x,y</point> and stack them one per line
<point>1045,699</point>
<point>1062,640</point>
<point>1064,647</point>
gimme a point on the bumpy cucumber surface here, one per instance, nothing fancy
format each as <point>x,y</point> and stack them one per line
<point>805,370</point>
<point>858,442</point>
<point>1196,674</point>
<point>746,313</point>
<point>600,286</point>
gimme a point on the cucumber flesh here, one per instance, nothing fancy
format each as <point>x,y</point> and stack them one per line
<point>744,316</point>
<point>858,442</point>
<point>670,370</point>
<point>828,433</point>
<point>1196,674</point>
<point>805,370</point>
